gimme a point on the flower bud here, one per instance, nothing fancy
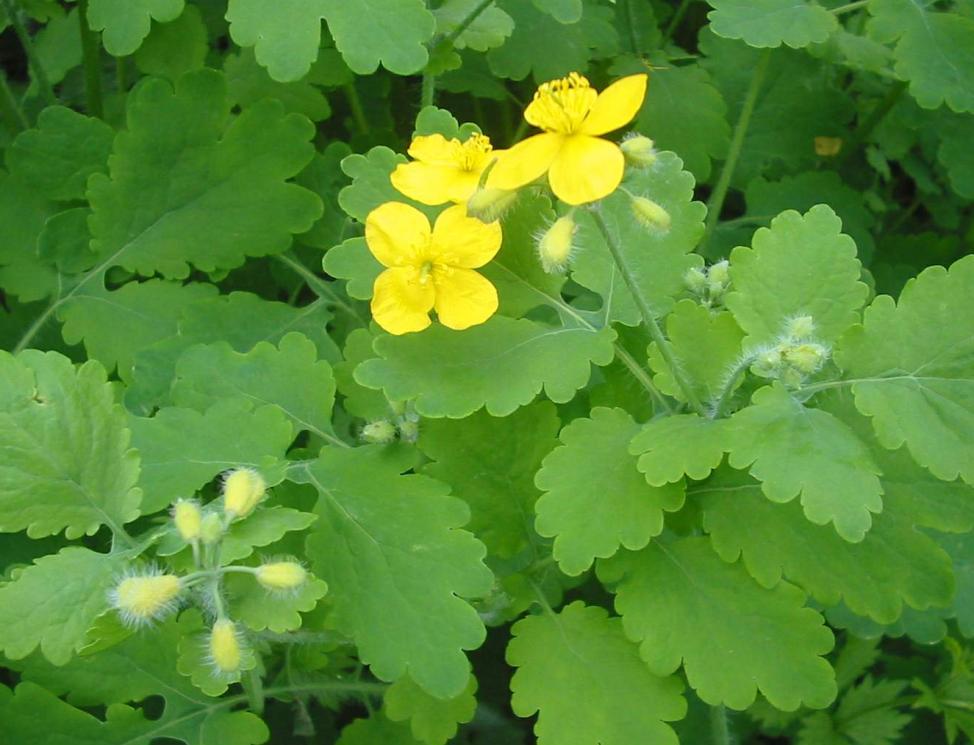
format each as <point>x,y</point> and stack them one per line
<point>187,516</point>
<point>489,204</point>
<point>719,274</point>
<point>650,214</point>
<point>767,363</point>
<point>695,279</point>
<point>281,575</point>
<point>806,358</point>
<point>555,245</point>
<point>211,529</point>
<point>408,430</point>
<point>225,652</point>
<point>144,598</point>
<point>828,147</point>
<point>243,488</point>
<point>800,327</point>
<point>380,432</point>
<point>639,151</point>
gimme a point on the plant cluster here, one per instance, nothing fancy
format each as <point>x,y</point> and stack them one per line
<point>638,409</point>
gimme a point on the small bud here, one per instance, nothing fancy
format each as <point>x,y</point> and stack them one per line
<point>639,151</point>
<point>380,432</point>
<point>408,430</point>
<point>650,214</point>
<point>489,204</point>
<point>211,529</point>
<point>187,516</point>
<point>555,245</point>
<point>225,652</point>
<point>719,274</point>
<point>800,327</point>
<point>828,147</point>
<point>767,364</point>
<point>397,407</point>
<point>144,598</point>
<point>243,488</point>
<point>695,279</point>
<point>806,358</point>
<point>281,575</point>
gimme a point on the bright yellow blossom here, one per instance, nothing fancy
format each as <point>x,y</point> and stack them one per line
<point>430,268</point>
<point>443,170</point>
<point>581,166</point>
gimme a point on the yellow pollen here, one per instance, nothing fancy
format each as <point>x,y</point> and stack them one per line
<point>563,104</point>
<point>473,152</point>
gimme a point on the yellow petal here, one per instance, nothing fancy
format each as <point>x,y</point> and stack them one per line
<point>396,233</point>
<point>464,298</point>
<point>616,105</point>
<point>400,302</point>
<point>435,149</point>
<point>525,162</point>
<point>434,184</point>
<point>463,241</point>
<point>562,110</point>
<point>586,169</point>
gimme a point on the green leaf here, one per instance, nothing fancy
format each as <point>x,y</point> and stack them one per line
<point>893,565</point>
<point>707,345</point>
<point>65,458</point>
<point>194,656</point>
<point>563,11</point>
<point>934,51</point>
<point>377,728</point>
<point>431,720</point>
<point>490,462</point>
<point>267,375</point>
<point>488,30</point>
<point>325,178</point>
<point>212,195</point>
<point>585,680</point>
<point>912,369</point>
<point>52,603</point>
<point>248,82</point>
<point>546,48</point>
<point>23,212</point>
<point>183,449</point>
<point>501,364</point>
<point>142,665</point>
<point>370,185</point>
<point>801,266</point>
<point>954,155</point>
<point>866,715</point>
<point>359,401</point>
<point>285,37</point>
<point>771,23</point>
<point>672,447</point>
<point>116,325</point>
<point>397,568</point>
<point>126,23</point>
<point>57,157</point>
<point>960,548</point>
<point>58,48</point>
<point>794,450</point>
<point>64,239</point>
<point>351,260</point>
<point>260,609</point>
<point>595,500</point>
<point>174,48</point>
<point>659,259</point>
<point>734,637</point>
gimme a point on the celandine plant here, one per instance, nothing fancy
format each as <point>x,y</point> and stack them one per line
<point>549,450</point>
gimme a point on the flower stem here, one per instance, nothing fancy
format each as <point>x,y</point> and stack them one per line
<point>91,56</point>
<point>355,105</point>
<point>716,201</point>
<point>648,318</point>
<point>719,731</point>
<point>36,68</point>
<point>321,288</point>
<point>428,93</point>
<point>674,23</point>
<point>10,107</point>
<point>730,383</point>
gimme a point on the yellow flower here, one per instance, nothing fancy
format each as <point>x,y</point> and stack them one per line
<point>430,268</point>
<point>581,166</point>
<point>443,170</point>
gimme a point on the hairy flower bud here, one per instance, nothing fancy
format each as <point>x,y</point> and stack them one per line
<point>555,245</point>
<point>639,151</point>
<point>806,358</point>
<point>243,488</point>
<point>650,214</point>
<point>719,274</point>
<point>281,575</point>
<point>187,516</point>
<point>488,204</point>
<point>140,599</point>
<point>695,279</point>
<point>225,651</point>
<point>800,327</point>
<point>379,432</point>
<point>408,430</point>
<point>211,528</point>
<point>767,363</point>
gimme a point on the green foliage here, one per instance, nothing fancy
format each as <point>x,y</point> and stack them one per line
<point>770,23</point>
<point>125,23</point>
<point>431,720</point>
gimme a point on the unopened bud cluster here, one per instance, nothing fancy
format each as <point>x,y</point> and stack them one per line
<point>402,425</point>
<point>795,356</point>
<point>709,284</point>
<point>144,596</point>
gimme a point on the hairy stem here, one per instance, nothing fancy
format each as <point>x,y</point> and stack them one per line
<point>10,106</point>
<point>719,406</point>
<point>37,70</point>
<point>91,57</point>
<point>648,318</point>
<point>719,731</point>
<point>716,201</point>
<point>321,288</point>
<point>428,93</point>
<point>636,47</point>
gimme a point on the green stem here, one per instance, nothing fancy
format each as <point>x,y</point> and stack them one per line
<point>631,23</point>
<point>648,318</point>
<point>643,378</point>
<point>719,732</point>
<point>321,288</point>
<point>254,688</point>
<point>10,107</point>
<point>716,201</point>
<point>91,57</point>
<point>730,384</point>
<point>355,105</point>
<point>848,7</point>
<point>121,75</point>
<point>674,23</point>
<point>872,121</point>
<point>465,23</point>
<point>428,94</point>
<point>37,70</point>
